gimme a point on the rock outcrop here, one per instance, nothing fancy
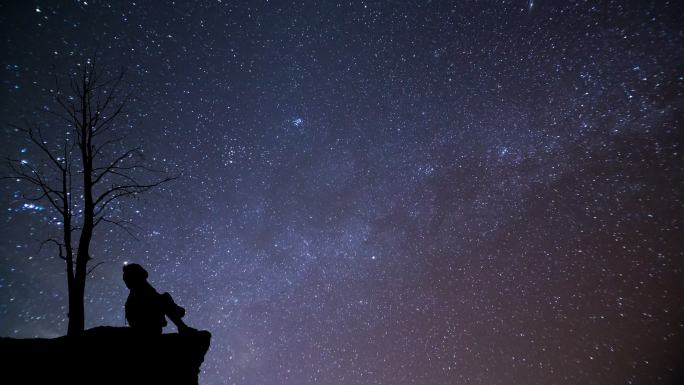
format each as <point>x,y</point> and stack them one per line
<point>105,355</point>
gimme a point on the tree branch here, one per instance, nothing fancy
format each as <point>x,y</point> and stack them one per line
<point>111,166</point>
<point>51,240</point>
<point>93,268</point>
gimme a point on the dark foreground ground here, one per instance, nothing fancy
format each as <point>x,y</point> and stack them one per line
<point>104,355</point>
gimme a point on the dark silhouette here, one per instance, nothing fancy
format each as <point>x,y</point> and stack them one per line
<point>82,167</point>
<point>105,355</point>
<point>139,354</point>
<point>146,310</point>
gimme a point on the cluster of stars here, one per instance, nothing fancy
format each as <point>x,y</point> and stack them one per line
<point>376,192</point>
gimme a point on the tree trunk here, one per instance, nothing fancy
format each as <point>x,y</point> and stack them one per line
<point>76,310</point>
<point>77,291</point>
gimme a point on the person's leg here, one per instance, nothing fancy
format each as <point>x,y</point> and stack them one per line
<point>175,313</point>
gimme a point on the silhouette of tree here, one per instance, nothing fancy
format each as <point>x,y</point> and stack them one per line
<point>83,169</point>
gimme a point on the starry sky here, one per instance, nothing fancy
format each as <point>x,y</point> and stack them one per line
<point>377,192</point>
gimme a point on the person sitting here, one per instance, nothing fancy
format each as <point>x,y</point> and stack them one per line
<point>146,309</point>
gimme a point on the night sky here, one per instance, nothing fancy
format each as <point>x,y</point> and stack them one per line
<point>377,192</point>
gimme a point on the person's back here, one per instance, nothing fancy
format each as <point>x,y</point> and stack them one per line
<point>144,311</point>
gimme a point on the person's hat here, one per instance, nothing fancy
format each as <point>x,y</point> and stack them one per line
<point>134,272</point>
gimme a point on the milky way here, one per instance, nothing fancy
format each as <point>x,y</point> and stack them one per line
<point>398,192</point>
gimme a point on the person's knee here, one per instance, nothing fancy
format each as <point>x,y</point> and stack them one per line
<point>171,308</point>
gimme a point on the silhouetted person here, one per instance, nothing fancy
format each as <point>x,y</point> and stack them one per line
<point>146,310</point>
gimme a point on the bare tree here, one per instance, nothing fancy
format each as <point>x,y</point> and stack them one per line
<point>83,170</point>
